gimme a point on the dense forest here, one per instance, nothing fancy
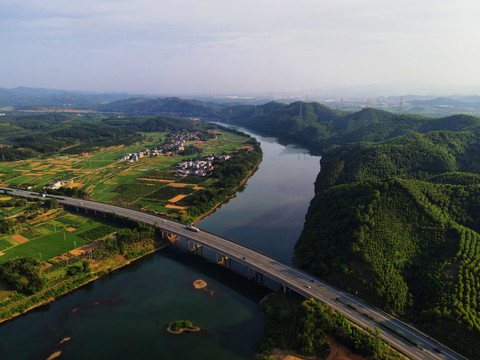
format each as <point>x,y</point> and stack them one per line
<point>26,136</point>
<point>395,213</point>
<point>303,325</point>
<point>170,106</point>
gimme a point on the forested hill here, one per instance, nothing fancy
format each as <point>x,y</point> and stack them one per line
<point>395,218</point>
<point>26,136</point>
<point>319,127</point>
<point>303,122</point>
<point>23,98</point>
<point>170,106</point>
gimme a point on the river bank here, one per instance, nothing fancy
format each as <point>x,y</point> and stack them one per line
<point>244,181</point>
<point>25,304</point>
<point>101,272</point>
<point>267,215</point>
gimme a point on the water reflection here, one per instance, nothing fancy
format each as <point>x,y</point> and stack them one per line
<point>270,212</point>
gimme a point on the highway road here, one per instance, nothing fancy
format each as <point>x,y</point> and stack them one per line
<point>353,308</point>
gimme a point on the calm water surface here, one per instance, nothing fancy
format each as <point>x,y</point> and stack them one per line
<point>269,213</point>
<point>124,315</point>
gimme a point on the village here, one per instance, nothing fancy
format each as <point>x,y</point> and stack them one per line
<point>174,145</point>
<point>202,167</point>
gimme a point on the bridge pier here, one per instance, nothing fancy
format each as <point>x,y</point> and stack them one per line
<point>224,261</point>
<point>257,276</point>
<point>197,248</point>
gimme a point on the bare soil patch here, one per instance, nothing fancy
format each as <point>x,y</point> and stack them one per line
<point>176,207</point>
<point>46,265</point>
<point>20,239</point>
<point>85,248</point>
<point>179,185</point>
<point>55,355</point>
<point>177,198</point>
<point>337,352</point>
<point>340,352</point>
<point>6,198</point>
<point>158,180</point>
<point>199,284</point>
<point>70,229</point>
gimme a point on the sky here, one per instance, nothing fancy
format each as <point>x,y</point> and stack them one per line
<point>241,47</point>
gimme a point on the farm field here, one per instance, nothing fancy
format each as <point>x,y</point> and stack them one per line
<point>47,234</point>
<point>148,184</point>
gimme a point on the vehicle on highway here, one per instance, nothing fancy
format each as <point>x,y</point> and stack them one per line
<point>313,280</point>
<point>244,258</point>
<point>192,228</point>
<point>308,286</point>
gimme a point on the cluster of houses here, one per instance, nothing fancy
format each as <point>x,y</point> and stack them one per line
<point>174,145</point>
<point>58,184</point>
<point>176,142</point>
<point>131,157</point>
<point>201,167</point>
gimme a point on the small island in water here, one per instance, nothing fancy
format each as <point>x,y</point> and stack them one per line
<point>179,326</point>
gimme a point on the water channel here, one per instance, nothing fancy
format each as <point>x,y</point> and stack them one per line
<point>124,315</point>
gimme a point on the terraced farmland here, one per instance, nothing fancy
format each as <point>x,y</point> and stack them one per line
<point>105,178</point>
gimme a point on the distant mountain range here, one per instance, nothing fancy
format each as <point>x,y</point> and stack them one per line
<point>25,98</point>
<point>459,102</point>
<point>170,106</point>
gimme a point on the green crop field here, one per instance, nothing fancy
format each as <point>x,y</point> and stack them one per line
<point>45,236</point>
<point>45,247</point>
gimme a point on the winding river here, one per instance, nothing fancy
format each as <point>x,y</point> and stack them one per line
<point>124,315</point>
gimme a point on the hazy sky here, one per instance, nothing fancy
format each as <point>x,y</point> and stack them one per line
<point>239,46</point>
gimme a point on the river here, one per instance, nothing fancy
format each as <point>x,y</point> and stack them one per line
<point>124,315</point>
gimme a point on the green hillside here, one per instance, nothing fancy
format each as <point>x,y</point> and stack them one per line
<point>170,106</point>
<point>396,213</point>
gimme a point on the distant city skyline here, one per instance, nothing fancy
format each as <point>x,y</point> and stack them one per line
<point>185,47</point>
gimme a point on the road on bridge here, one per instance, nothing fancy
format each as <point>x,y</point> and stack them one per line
<point>299,281</point>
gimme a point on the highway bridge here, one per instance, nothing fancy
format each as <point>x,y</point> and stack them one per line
<point>421,346</point>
